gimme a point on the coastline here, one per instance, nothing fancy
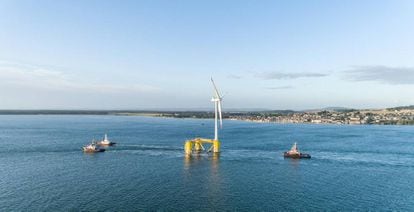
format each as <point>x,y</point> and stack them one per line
<point>362,117</point>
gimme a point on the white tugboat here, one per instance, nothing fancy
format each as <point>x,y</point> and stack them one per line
<point>92,148</point>
<point>105,142</point>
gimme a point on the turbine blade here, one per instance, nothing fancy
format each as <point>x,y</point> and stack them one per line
<point>215,88</point>
<point>221,118</point>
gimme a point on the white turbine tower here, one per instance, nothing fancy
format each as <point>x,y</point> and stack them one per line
<point>217,110</point>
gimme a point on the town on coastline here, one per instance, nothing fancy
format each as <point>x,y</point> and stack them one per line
<point>389,116</point>
<point>381,117</point>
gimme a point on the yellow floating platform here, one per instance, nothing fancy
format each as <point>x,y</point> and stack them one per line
<point>196,145</point>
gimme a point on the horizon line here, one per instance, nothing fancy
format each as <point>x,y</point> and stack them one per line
<point>201,109</point>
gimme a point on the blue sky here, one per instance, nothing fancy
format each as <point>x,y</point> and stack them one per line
<point>161,54</point>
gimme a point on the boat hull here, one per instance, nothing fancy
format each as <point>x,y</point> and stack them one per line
<point>106,144</point>
<point>297,156</point>
<point>93,151</point>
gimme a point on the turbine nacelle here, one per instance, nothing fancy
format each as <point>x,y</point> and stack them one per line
<point>214,99</point>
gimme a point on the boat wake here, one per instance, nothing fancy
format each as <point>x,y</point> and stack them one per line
<point>150,150</point>
<point>146,147</point>
<point>382,159</point>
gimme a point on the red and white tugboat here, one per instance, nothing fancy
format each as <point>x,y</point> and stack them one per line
<point>92,148</point>
<point>294,153</point>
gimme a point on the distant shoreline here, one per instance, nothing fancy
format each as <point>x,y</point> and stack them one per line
<point>78,112</point>
<point>390,116</point>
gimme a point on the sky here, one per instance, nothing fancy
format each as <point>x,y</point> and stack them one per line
<point>77,54</point>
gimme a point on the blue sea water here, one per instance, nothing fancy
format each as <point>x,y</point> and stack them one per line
<point>42,167</point>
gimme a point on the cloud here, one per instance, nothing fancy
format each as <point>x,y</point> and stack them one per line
<point>383,74</point>
<point>281,75</point>
<point>233,76</point>
<point>31,76</point>
<point>280,87</point>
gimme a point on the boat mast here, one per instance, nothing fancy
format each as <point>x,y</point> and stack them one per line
<point>294,148</point>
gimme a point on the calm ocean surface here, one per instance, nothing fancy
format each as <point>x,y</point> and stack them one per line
<point>43,168</point>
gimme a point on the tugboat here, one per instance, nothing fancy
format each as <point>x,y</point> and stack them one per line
<point>92,148</point>
<point>105,142</point>
<point>294,153</point>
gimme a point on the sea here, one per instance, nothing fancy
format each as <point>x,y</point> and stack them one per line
<point>353,167</point>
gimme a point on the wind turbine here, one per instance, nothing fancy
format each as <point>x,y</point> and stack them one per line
<point>196,144</point>
<point>217,98</point>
